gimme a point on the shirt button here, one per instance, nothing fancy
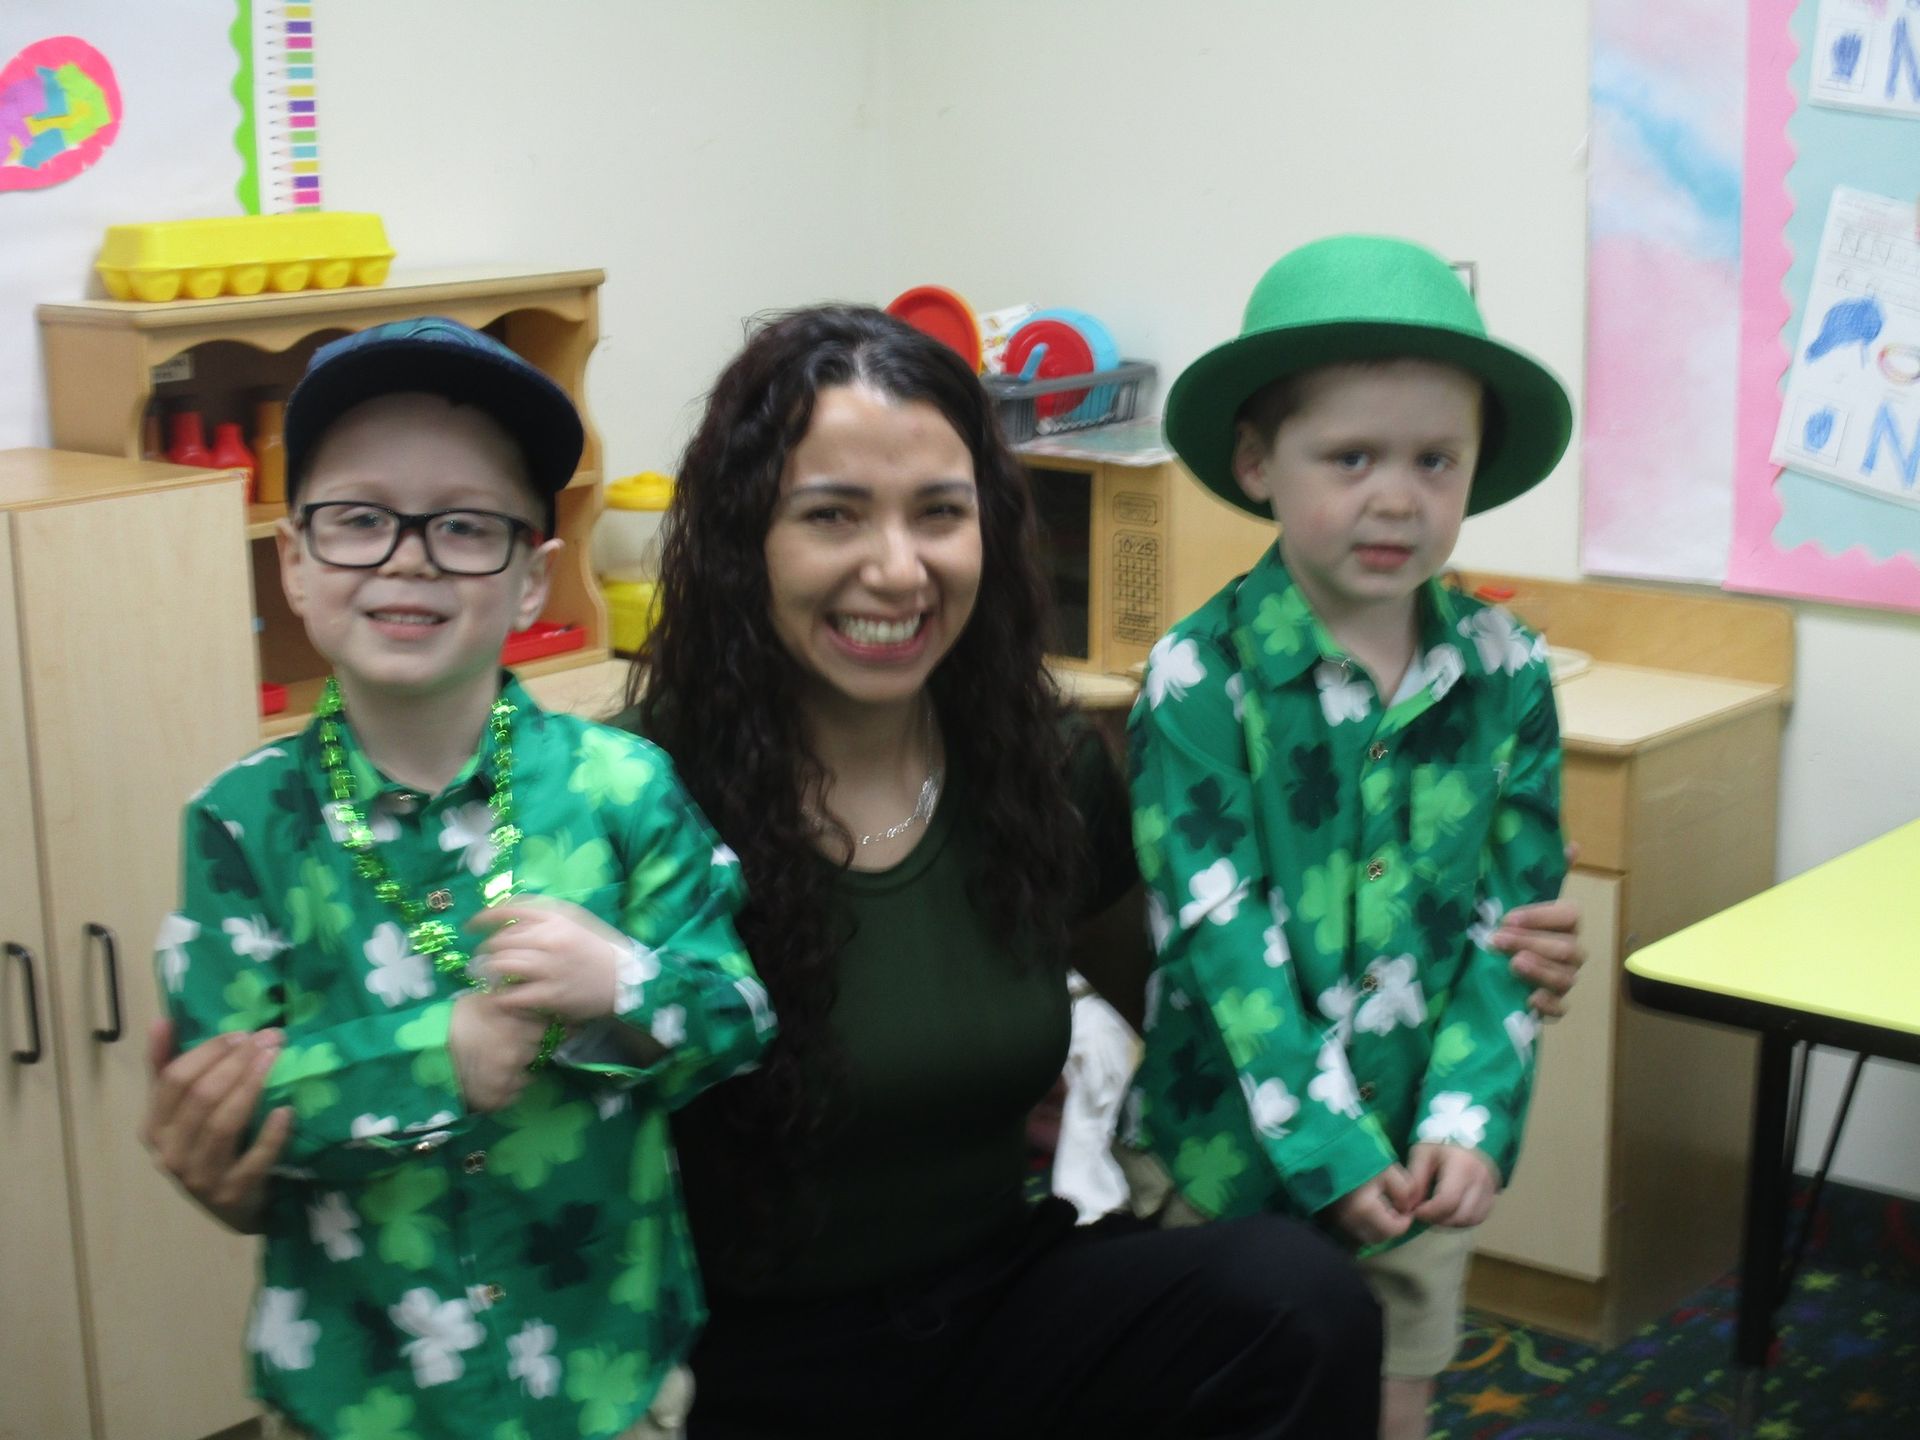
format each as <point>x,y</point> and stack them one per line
<point>475,1162</point>
<point>1376,751</point>
<point>440,900</point>
<point>1375,869</point>
<point>1369,982</point>
<point>404,802</point>
<point>1366,1090</point>
<point>494,1294</point>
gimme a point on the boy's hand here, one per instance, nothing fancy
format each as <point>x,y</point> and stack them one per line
<point>1379,1210</point>
<point>1455,1187</point>
<point>492,1045</point>
<point>549,959</point>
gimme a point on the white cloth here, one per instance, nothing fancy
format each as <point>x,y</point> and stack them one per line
<point>1100,1061</point>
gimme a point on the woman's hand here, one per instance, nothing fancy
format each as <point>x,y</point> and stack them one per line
<point>198,1108</point>
<point>1544,941</point>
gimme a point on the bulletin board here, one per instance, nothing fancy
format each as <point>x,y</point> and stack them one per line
<point>1753,407</point>
<point>1826,504</point>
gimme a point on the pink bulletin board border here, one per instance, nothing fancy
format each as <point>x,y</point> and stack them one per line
<point>1756,563</point>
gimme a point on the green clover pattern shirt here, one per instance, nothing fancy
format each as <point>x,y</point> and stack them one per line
<point>429,1272</point>
<point>1324,873</point>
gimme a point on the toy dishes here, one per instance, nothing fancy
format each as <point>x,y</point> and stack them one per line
<point>937,311</point>
<point>1055,344</point>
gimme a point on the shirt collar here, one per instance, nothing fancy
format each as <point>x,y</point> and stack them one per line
<point>371,788</point>
<point>1278,637</point>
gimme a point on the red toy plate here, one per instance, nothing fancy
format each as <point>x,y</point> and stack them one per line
<point>935,310</point>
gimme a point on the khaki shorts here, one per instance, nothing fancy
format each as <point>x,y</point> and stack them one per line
<point>666,1417</point>
<point>1420,1285</point>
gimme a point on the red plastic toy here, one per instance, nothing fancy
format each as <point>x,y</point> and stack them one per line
<point>545,637</point>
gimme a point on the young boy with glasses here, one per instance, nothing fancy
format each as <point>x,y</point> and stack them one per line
<point>476,950</point>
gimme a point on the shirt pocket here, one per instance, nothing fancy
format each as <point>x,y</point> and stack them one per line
<point>1450,821</point>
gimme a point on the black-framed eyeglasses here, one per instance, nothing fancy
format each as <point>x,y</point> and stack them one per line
<point>359,535</point>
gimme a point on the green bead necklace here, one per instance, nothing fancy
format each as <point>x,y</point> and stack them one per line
<point>428,936</point>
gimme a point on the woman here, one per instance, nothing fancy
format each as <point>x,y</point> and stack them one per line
<point>848,674</point>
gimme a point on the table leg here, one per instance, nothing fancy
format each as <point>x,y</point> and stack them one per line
<point>1764,1234</point>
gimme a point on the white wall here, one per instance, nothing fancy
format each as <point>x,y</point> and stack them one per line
<point>715,157</point>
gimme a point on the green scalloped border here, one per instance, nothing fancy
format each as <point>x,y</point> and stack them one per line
<point>245,135</point>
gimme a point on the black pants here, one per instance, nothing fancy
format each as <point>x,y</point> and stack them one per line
<point>1251,1329</point>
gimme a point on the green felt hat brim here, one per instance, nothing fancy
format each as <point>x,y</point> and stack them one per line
<point>1528,429</point>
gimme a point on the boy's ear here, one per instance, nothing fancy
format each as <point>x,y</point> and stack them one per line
<point>293,574</point>
<point>1249,462</point>
<point>537,583</point>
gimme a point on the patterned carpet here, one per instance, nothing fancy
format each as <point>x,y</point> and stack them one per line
<point>1847,1366</point>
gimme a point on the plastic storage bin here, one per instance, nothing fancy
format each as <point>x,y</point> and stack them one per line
<point>243,255</point>
<point>626,539</point>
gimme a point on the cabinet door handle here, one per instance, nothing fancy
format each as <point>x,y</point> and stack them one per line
<point>31,1055</point>
<point>110,952</point>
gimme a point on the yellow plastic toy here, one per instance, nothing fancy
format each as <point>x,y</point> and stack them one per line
<point>243,255</point>
<point>632,606</point>
<point>626,541</point>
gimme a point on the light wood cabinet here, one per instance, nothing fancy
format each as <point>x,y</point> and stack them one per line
<point>126,681</point>
<point>109,362</point>
<point>1627,1196</point>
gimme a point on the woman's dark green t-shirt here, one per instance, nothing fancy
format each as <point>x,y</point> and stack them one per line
<point>948,1040</point>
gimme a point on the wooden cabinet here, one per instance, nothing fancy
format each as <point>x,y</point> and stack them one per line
<point>1627,1197</point>
<point>126,681</point>
<point>109,363</point>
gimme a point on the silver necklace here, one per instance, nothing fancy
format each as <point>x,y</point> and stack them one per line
<point>922,807</point>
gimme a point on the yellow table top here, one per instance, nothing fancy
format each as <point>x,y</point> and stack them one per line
<point>1841,941</point>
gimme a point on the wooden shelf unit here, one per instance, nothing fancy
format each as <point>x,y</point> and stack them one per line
<point>101,357</point>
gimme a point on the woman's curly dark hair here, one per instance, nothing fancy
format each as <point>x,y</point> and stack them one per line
<point>717,689</point>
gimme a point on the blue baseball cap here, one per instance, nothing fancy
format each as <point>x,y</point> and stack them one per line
<point>436,356</point>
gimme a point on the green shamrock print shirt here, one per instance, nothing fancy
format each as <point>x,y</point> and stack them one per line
<point>1324,873</point>
<point>430,1272</point>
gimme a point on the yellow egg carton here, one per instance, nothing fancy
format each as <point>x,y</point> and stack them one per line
<point>243,255</point>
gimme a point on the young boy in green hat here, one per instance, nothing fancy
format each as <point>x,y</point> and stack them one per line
<point>1345,773</point>
<point>483,948</point>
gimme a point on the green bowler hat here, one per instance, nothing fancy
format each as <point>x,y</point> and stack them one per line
<point>1369,297</point>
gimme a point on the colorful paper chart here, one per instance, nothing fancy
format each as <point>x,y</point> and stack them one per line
<point>59,110</point>
<point>279,134</point>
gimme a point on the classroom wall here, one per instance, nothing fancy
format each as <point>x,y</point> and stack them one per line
<point>1140,158</point>
<point>715,157</point>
